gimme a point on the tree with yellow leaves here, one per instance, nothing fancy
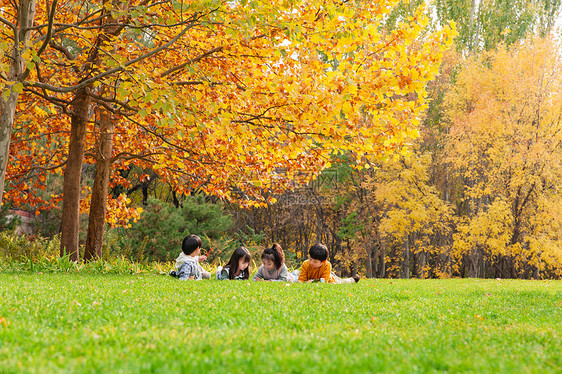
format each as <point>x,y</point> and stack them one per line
<point>505,145</point>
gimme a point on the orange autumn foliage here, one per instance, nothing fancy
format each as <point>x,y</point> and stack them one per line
<point>234,99</point>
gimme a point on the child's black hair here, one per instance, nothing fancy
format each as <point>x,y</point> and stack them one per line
<point>318,252</point>
<point>240,252</point>
<point>275,254</point>
<point>190,244</point>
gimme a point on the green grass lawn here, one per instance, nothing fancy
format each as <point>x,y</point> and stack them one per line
<point>83,323</point>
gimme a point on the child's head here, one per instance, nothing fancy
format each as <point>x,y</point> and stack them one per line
<point>190,244</point>
<point>317,254</point>
<point>273,258</point>
<point>240,260</point>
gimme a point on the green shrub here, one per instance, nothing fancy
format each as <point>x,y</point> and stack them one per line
<point>7,224</point>
<point>220,250</point>
<point>157,235</point>
<point>22,248</point>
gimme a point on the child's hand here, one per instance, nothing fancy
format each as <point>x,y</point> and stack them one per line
<point>202,258</point>
<point>258,279</point>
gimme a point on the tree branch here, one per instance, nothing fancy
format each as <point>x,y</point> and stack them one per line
<point>49,28</point>
<point>116,69</point>
<point>201,56</point>
<point>9,24</point>
<point>101,100</point>
<point>132,156</point>
<point>191,61</point>
<point>33,168</point>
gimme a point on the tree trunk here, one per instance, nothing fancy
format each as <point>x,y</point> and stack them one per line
<point>79,121</point>
<point>406,268</point>
<point>7,111</point>
<point>383,261</point>
<point>369,264</point>
<point>474,262</point>
<point>423,270</point>
<point>71,187</point>
<point>175,199</point>
<point>145,193</point>
<point>98,205</point>
<point>9,96</point>
<point>473,28</point>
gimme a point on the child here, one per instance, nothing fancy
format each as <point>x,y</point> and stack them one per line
<point>273,267</point>
<point>187,263</point>
<point>318,269</point>
<point>238,266</point>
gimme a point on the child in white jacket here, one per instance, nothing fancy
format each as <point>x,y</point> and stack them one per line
<point>187,263</point>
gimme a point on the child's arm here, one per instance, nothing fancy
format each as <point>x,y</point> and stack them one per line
<point>222,274</point>
<point>259,274</point>
<point>303,275</point>
<point>327,273</point>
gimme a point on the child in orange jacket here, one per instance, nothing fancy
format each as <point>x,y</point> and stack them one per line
<point>318,269</point>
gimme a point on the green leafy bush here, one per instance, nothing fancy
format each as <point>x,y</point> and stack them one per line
<point>157,235</point>
<point>6,223</point>
<point>22,248</point>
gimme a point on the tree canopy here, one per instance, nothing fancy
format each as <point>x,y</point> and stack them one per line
<point>235,99</point>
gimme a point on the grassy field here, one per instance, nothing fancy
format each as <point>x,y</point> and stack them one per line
<point>80,323</point>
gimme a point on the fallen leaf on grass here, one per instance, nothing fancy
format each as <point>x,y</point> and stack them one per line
<point>479,317</point>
